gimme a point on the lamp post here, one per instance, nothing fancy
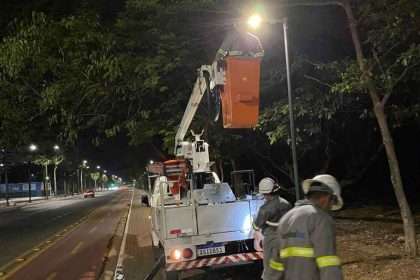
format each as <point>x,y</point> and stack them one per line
<point>84,163</point>
<point>254,22</point>
<point>32,148</point>
<point>57,160</point>
<point>6,179</point>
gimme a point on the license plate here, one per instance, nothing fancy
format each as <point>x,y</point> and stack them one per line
<point>211,251</point>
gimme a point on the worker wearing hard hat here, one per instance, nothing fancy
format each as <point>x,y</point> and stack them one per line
<point>307,242</point>
<point>240,42</point>
<point>269,214</point>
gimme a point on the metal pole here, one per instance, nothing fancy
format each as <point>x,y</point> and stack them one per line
<point>291,116</point>
<point>30,183</point>
<point>6,182</point>
<point>81,180</point>
<point>46,182</point>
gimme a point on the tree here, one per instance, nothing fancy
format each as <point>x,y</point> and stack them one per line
<point>367,81</point>
<point>44,161</point>
<point>56,160</point>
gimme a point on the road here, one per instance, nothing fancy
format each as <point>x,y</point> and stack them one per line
<point>60,239</point>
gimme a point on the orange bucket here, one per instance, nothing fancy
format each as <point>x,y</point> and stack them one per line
<point>241,92</point>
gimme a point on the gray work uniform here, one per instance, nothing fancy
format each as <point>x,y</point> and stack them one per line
<point>267,219</point>
<point>240,43</point>
<point>306,246</point>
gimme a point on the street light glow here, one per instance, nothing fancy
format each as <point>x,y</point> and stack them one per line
<point>105,171</point>
<point>98,167</point>
<point>33,147</point>
<point>56,147</point>
<point>254,21</point>
<point>151,162</point>
<point>84,162</point>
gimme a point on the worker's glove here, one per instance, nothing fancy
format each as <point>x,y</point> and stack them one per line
<point>258,240</point>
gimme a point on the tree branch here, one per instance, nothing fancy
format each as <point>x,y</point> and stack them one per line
<point>317,80</point>
<point>310,3</point>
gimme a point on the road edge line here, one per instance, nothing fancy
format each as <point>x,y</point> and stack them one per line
<point>119,269</point>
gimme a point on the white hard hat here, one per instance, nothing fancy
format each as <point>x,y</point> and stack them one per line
<point>267,186</point>
<point>326,181</point>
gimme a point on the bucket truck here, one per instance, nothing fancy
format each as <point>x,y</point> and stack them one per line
<point>199,221</point>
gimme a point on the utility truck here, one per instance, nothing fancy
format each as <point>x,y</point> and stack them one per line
<point>199,221</point>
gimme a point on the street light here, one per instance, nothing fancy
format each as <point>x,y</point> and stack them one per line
<point>254,22</point>
<point>98,167</point>
<point>151,162</point>
<point>33,148</point>
<point>56,147</point>
<point>105,171</point>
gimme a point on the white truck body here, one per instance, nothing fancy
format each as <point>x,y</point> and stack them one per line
<point>203,223</point>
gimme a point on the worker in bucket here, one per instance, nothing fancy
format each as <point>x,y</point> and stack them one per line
<point>269,214</point>
<point>307,242</point>
<point>240,42</point>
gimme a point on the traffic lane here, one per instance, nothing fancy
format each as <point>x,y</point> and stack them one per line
<point>20,214</point>
<point>31,225</point>
<point>80,255</point>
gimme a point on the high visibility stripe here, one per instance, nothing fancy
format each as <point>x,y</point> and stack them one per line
<point>235,53</point>
<point>255,227</point>
<point>271,224</point>
<point>276,265</point>
<point>305,252</point>
<point>326,261</point>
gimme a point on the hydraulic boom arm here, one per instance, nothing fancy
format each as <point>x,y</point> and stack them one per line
<point>199,89</point>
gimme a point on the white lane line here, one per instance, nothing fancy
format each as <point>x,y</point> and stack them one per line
<point>93,229</point>
<point>75,249</point>
<point>52,276</point>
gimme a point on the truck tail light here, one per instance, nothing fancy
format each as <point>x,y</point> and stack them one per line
<point>176,254</point>
<point>187,253</point>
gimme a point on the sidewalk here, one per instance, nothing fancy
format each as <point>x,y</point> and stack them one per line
<point>22,201</point>
<point>139,255</point>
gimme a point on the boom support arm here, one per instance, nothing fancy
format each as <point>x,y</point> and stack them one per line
<point>200,87</point>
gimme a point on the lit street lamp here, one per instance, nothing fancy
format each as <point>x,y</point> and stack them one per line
<point>32,148</point>
<point>254,22</point>
<point>84,163</point>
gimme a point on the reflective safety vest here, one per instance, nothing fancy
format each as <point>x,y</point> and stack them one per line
<point>307,246</point>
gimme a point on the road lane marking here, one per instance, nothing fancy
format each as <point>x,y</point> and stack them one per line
<point>75,249</point>
<point>12,267</point>
<point>51,276</point>
<point>93,229</point>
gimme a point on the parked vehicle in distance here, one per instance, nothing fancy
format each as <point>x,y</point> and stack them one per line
<point>89,193</point>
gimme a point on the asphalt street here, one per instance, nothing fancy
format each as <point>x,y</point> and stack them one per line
<point>60,239</point>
